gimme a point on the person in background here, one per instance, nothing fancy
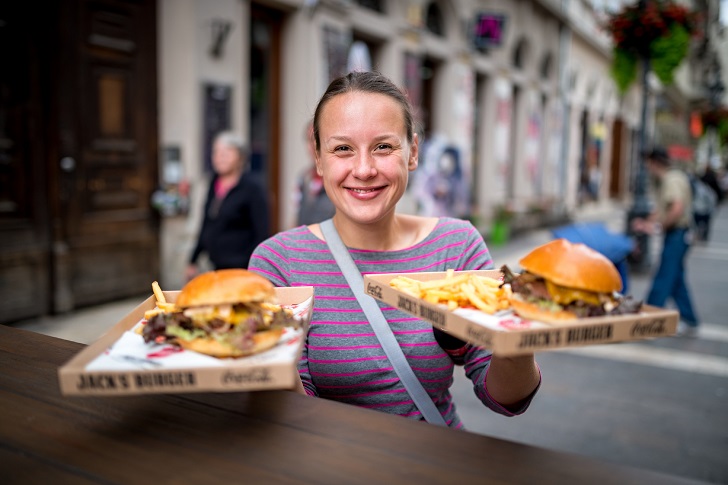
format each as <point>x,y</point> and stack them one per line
<point>313,203</point>
<point>366,147</point>
<point>710,179</point>
<point>673,217</point>
<point>235,218</point>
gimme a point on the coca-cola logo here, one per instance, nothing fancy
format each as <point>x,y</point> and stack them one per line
<point>649,328</point>
<point>374,290</point>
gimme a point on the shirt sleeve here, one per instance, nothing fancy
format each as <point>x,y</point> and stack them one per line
<point>270,260</point>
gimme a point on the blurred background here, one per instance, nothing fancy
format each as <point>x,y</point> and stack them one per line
<point>108,109</point>
<point>533,115</point>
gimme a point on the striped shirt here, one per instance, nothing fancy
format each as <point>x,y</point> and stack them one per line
<point>342,359</point>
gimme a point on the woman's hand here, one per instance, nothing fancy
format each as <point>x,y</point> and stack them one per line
<point>510,380</point>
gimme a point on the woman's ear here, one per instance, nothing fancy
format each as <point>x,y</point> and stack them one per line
<point>414,153</point>
<point>317,162</point>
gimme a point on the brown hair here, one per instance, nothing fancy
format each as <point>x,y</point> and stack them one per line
<point>367,82</point>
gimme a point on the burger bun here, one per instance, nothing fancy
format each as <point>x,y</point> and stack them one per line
<point>531,311</point>
<point>262,341</point>
<point>226,286</point>
<point>573,265</point>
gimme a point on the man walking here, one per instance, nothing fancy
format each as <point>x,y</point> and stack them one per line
<point>672,216</point>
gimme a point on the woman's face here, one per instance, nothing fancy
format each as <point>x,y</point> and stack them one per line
<point>365,158</point>
<point>225,158</point>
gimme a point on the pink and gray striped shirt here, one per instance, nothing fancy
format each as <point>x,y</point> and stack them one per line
<point>342,359</point>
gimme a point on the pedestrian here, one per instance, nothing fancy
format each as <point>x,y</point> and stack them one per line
<point>366,147</point>
<point>710,181</point>
<point>710,178</point>
<point>313,203</point>
<point>235,218</point>
<point>705,200</point>
<point>672,216</point>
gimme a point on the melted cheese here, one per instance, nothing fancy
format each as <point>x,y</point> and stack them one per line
<point>223,312</point>
<point>563,295</point>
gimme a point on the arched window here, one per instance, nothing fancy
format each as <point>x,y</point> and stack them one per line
<point>434,21</point>
<point>520,54</point>
<point>546,66</point>
<point>376,5</point>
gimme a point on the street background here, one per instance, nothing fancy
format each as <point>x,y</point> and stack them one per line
<point>660,404</point>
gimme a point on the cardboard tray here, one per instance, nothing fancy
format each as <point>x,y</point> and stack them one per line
<point>507,334</point>
<point>121,363</point>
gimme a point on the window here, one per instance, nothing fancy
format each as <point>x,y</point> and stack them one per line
<point>433,19</point>
<point>375,5</point>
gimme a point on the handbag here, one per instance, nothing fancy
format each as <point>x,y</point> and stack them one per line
<point>381,328</point>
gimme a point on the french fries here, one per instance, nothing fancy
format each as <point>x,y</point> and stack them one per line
<point>462,290</point>
<point>162,305</point>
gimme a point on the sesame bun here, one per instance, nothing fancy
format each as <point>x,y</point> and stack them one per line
<point>226,286</point>
<point>531,311</point>
<point>262,341</point>
<point>573,265</point>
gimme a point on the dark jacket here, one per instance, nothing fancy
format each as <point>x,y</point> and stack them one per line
<point>711,180</point>
<point>232,228</point>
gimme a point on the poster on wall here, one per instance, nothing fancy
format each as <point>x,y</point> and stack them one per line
<point>336,52</point>
<point>216,117</point>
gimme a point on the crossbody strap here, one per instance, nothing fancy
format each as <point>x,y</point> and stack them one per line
<point>381,328</point>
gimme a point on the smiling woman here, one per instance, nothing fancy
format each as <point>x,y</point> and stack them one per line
<point>366,147</point>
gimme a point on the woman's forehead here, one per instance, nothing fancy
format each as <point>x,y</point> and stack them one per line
<point>361,107</point>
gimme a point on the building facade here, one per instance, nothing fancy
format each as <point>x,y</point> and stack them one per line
<point>517,94</point>
<point>108,119</point>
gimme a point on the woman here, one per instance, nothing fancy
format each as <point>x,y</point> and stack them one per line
<point>365,148</point>
<point>235,220</point>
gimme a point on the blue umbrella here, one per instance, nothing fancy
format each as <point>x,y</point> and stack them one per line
<point>616,247</point>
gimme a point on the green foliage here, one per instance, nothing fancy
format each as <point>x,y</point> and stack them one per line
<point>667,52</point>
<point>723,130</point>
<point>624,69</point>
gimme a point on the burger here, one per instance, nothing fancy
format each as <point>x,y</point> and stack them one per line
<point>563,281</point>
<point>224,313</point>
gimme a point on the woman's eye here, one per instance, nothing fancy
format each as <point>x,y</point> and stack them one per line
<point>384,146</point>
<point>341,148</point>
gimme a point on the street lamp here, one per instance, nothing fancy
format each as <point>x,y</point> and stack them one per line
<point>641,206</point>
<point>715,88</point>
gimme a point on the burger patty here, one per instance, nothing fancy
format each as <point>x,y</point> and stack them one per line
<point>533,288</point>
<point>156,327</point>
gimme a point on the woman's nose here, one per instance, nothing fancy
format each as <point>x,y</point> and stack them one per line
<point>364,167</point>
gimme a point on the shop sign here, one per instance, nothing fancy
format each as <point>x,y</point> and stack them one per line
<point>488,30</point>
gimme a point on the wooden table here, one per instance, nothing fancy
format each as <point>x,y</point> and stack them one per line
<point>256,437</point>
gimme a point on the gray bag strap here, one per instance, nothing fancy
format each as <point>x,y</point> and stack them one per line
<point>381,328</point>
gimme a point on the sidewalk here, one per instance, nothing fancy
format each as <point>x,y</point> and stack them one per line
<point>89,324</point>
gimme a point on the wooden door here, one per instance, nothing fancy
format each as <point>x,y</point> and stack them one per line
<point>89,235</point>
<point>265,82</point>
<point>616,180</point>
<point>24,225</point>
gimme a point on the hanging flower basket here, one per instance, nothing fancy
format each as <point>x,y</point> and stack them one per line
<point>661,30</point>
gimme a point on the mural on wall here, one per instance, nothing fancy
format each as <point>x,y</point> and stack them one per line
<point>463,126</point>
<point>502,134</point>
<point>553,183</point>
<point>439,185</point>
<point>532,145</point>
<point>413,83</point>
